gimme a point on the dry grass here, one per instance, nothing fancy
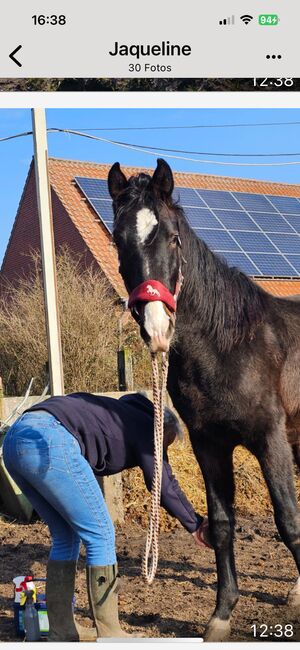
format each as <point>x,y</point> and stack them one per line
<point>89,329</point>
<point>251,493</point>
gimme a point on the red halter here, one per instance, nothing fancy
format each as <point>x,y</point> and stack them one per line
<point>152,290</point>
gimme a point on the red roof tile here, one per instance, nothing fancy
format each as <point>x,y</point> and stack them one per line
<point>281,287</point>
<point>183,179</point>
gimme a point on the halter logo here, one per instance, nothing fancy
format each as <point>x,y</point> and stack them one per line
<point>152,291</point>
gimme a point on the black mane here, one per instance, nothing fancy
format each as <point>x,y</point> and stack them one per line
<point>228,306</point>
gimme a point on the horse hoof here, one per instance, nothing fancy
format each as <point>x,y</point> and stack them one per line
<point>217,630</point>
<point>294,596</point>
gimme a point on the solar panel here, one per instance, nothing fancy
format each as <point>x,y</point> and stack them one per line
<point>188,196</point>
<point>241,261</point>
<point>271,222</point>
<point>201,217</point>
<point>236,220</point>
<point>254,242</point>
<point>219,199</point>
<point>93,188</point>
<point>96,191</point>
<point>294,222</point>
<point>279,265</point>
<point>254,202</point>
<point>104,210</point>
<point>259,234</point>
<point>285,204</point>
<point>295,261</point>
<point>286,243</point>
<point>217,240</point>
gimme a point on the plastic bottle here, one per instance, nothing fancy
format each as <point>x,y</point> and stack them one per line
<point>31,619</point>
<point>21,583</point>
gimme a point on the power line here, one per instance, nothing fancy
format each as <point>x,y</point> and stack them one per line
<point>215,153</point>
<point>189,126</point>
<point>157,150</point>
<point>16,135</point>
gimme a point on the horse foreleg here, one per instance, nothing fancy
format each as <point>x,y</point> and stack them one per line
<point>276,463</point>
<point>217,469</point>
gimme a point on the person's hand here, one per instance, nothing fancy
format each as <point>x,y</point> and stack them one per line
<point>201,535</point>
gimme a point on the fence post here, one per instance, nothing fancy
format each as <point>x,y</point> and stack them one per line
<point>125,371</point>
<point>112,489</point>
<point>1,400</point>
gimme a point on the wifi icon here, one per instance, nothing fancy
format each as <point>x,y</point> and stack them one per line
<point>246,19</point>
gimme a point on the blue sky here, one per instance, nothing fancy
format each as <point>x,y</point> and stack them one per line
<point>15,155</point>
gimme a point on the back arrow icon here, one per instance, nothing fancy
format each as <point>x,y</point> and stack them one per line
<point>12,57</point>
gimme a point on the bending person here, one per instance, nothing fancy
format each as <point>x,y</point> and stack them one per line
<point>53,452</point>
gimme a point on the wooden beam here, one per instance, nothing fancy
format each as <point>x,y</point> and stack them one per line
<point>48,250</point>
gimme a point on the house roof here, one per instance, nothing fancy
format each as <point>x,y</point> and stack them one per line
<point>92,231</point>
<point>96,236</point>
<point>280,287</point>
<point>182,179</point>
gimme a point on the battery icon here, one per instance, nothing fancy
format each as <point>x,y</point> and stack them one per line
<point>268,19</point>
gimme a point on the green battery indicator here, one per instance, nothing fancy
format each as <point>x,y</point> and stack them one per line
<point>268,19</point>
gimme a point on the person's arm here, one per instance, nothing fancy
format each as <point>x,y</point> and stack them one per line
<point>172,497</point>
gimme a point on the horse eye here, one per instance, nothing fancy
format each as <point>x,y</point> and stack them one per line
<point>175,240</point>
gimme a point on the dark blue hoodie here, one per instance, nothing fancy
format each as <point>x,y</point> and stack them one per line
<point>117,434</point>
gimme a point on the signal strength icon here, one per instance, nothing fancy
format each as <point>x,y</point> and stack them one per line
<point>227,21</point>
<point>246,19</point>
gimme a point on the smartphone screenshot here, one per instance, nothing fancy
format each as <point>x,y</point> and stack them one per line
<point>150,322</point>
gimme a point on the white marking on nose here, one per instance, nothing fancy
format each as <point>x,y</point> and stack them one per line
<point>145,222</point>
<point>156,321</point>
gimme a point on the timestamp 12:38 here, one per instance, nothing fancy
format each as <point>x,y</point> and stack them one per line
<point>278,630</point>
<point>287,82</point>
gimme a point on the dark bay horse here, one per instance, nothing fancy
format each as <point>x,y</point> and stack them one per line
<point>234,374</point>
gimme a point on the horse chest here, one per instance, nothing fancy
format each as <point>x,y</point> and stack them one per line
<point>203,390</point>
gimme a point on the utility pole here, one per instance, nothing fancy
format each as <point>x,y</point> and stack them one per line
<point>48,250</point>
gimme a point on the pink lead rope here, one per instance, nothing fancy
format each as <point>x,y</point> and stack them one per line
<point>149,291</point>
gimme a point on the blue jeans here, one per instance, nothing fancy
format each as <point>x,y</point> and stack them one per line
<point>45,461</point>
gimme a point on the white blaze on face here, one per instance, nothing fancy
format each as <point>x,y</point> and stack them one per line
<point>156,321</point>
<point>145,222</point>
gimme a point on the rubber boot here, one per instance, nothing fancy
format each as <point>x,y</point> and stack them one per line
<point>103,586</point>
<point>60,587</point>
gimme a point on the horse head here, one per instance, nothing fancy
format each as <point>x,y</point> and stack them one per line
<point>146,233</point>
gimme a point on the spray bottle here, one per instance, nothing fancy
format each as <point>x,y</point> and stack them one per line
<point>31,618</point>
<point>21,583</point>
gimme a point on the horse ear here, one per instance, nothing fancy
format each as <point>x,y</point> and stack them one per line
<point>162,179</point>
<point>117,181</point>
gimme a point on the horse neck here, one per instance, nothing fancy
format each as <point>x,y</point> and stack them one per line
<point>223,303</point>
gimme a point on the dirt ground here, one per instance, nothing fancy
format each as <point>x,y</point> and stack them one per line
<point>182,597</point>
